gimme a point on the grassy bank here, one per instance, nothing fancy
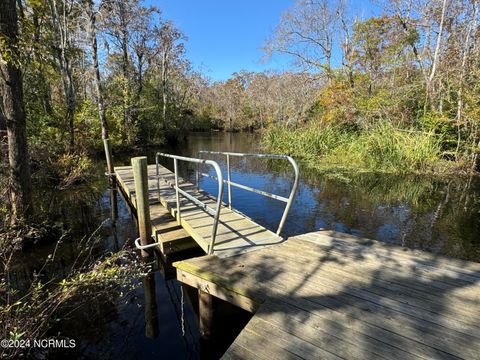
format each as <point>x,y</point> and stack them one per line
<point>380,148</point>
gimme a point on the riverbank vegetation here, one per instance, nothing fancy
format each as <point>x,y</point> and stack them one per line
<point>395,92</point>
<point>380,147</point>
<point>30,310</point>
<point>76,72</point>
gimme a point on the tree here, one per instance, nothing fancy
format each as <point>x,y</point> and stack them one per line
<point>167,39</point>
<point>14,114</point>
<point>92,35</point>
<point>119,25</point>
<point>62,11</point>
<point>307,32</point>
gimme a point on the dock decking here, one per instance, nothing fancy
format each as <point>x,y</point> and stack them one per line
<point>322,295</point>
<point>328,295</point>
<point>166,230</point>
<point>236,232</point>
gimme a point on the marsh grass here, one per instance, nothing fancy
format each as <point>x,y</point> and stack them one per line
<point>381,148</point>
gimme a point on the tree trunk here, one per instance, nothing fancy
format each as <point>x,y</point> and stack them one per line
<point>92,34</point>
<point>65,67</point>
<point>14,114</point>
<point>126,90</point>
<point>436,54</point>
<point>164,87</point>
<point>98,81</point>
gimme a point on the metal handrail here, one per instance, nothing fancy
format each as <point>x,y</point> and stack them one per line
<point>230,183</point>
<point>214,212</point>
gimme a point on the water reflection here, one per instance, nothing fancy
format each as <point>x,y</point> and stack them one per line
<point>151,318</point>
<point>432,213</point>
<point>437,214</point>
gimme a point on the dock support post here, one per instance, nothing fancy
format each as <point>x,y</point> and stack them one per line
<point>151,318</point>
<point>140,177</point>
<point>108,155</point>
<point>205,312</point>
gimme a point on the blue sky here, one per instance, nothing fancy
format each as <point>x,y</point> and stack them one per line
<point>225,36</point>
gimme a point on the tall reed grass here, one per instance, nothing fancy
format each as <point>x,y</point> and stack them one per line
<point>378,148</point>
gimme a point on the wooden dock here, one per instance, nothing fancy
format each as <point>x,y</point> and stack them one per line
<point>328,295</point>
<point>322,295</point>
<point>168,233</point>
<point>236,232</point>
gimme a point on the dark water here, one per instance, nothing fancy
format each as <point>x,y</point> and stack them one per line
<point>436,214</point>
<point>440,215</point>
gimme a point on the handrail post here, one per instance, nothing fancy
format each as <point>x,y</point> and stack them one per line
<point>197,173</point>
<point>228,183</point>
<point>292,194</point>
<point>140,177</point>
<point>219,204</point>
<point>198,176</point>
<point>175,170</point>
<point>158,176</point>
<point>178,191</point>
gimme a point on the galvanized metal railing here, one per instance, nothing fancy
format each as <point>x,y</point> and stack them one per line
<point>230,183</point>
<point>178,191</point>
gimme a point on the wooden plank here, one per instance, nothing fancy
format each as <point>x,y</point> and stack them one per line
<point>236,233</point>
<point>337,322</point>
<point>296,343</point>
<point>266,350</point>
<point>383,286</point>
<point>468,267</point>
<point>220,291</point>
<point>171,237</point>
<point>317,343</point>
<point>295,278</point>
<point>415,329</point>
<point>364,253</point>
<point>368,265</point>
<point>436,280</point>
<point>237,352</point>
<point>399,291</point>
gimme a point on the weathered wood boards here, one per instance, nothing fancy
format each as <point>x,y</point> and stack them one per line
<point>236,232</point>
<point>328,295</point>
<point>171,236</point>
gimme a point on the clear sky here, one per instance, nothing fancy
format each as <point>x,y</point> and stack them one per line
<point>225,36</point>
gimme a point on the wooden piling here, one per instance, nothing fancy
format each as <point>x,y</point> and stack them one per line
<point>205,312</point>
<point>151,318</point>
<point>140,176</point>
<point>108,155</point>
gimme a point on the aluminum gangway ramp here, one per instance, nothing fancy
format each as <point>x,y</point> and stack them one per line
<point>214,225</point>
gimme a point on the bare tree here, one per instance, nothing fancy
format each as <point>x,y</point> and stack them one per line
<point>307,32</point>
<point>61,16</point>
<point>169,49</point>
<point>92,36</point>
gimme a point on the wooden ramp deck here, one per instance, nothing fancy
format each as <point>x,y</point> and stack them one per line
<point>166,230</point>
<point>236,232</point>
<point>328,295</point>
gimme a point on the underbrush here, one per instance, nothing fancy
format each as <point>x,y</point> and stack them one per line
<point>377,148</point>
<point>31,311</point>
<point>62,170</point>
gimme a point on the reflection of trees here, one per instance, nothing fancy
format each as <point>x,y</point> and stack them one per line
<point>427,212</point>
<point>434,214</point>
